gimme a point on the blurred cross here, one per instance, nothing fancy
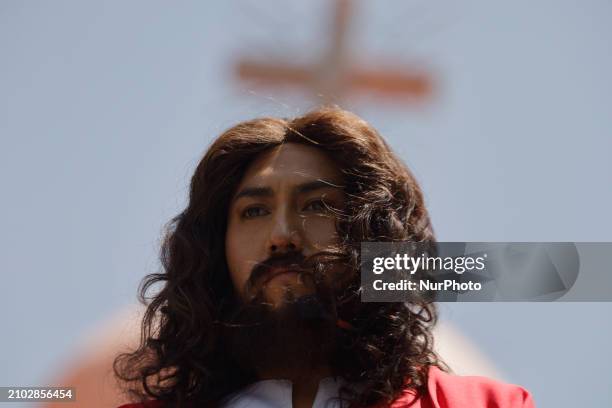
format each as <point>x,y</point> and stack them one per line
<point>334,76</point>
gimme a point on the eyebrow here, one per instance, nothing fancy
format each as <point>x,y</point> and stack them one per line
<point>300,189</point>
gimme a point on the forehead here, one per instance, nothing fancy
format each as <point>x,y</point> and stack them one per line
<point>291,163</point>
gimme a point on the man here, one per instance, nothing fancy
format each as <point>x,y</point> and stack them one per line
<point>259,301</point>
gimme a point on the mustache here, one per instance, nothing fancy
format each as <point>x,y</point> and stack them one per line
<point>294,261</point>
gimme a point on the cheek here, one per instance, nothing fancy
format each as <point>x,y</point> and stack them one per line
<point>321,231</point>
<point>322,235</point>
<point>241,255</point>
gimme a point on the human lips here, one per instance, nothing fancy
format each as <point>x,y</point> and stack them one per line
<point>276,272</point>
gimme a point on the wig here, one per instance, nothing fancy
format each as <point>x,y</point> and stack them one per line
<point>387,348</point>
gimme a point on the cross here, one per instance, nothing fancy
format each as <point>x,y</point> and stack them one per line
<point>334,76</point>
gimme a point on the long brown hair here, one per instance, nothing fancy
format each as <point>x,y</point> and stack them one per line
<point>386,347</point>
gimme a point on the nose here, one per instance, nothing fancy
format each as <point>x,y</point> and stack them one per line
<point>285,235</point>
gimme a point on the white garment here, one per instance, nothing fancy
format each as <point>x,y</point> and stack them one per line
<point>278,394</point>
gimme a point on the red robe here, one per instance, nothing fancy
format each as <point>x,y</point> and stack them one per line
<point>448,391</point>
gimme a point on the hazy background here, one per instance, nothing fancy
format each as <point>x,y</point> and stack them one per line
<point>106,107</point>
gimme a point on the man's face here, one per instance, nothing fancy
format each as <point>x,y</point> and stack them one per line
<point>281,212</point>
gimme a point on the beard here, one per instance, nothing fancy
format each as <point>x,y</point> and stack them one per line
<point>278,342</point>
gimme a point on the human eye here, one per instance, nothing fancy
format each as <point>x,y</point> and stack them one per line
<point>317,205</point>
<point>253,211</point>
